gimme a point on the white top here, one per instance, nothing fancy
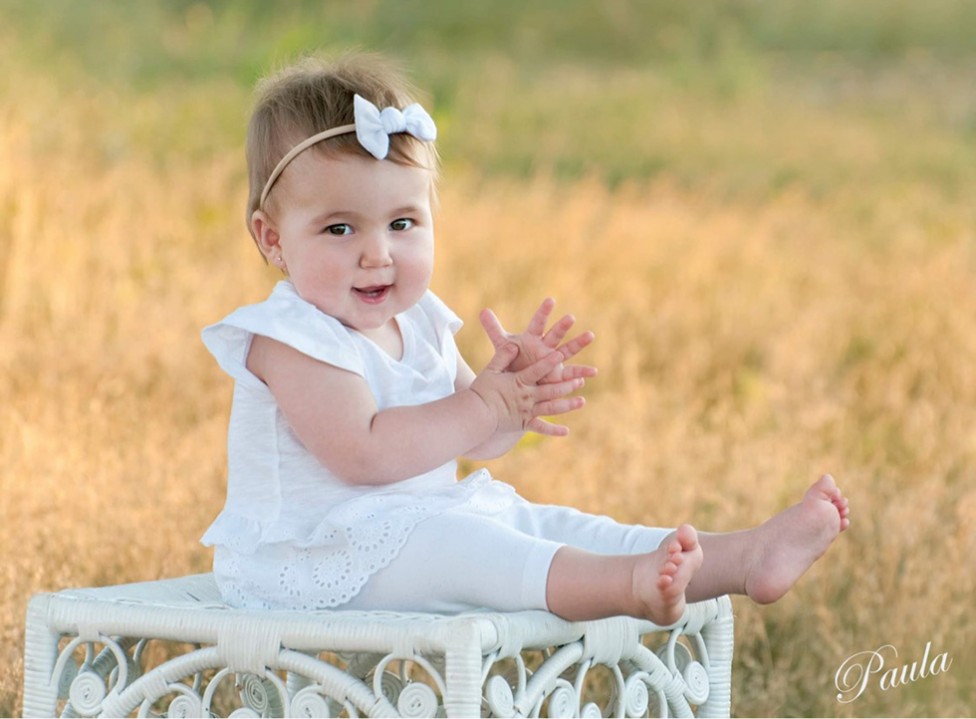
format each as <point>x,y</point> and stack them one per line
<point>278,492</point>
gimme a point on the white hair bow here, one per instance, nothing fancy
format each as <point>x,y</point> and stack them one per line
<point>374,126</point>
<point>373,129</point>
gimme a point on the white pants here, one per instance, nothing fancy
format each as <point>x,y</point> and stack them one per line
<point>458,561</point>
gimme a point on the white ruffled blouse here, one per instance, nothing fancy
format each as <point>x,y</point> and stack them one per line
<point>278,494</point>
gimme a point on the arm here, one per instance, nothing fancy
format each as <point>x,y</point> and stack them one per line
<point>497,444</point>
<point>333,413</point>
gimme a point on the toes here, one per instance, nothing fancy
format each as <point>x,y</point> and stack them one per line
<point>687,537</point>
<point>825,487</point>
<point>844,510</point>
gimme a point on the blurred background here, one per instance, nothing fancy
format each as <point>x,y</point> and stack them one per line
<point>765,212</point>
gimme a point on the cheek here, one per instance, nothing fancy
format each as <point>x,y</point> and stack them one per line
<point>422,253</point>
<point>422,263</point>
<point>321,271</point>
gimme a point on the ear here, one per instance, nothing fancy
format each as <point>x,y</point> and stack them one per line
<point>266,235</point>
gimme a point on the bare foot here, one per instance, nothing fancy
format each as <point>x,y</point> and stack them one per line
<point>789,543</point>
<point>661,577</point>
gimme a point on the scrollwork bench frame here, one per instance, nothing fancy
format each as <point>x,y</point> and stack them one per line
<point>86,654</point>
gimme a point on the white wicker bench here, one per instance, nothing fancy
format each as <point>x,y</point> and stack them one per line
<point>171,647</point>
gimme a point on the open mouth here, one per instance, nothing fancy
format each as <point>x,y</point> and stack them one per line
<point>375,293</point>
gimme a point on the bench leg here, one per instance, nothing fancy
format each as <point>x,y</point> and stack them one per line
<point>718,636</point>
<point>462,671</point>
<point>40,655</point>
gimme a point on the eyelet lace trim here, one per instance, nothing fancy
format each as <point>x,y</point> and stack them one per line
<point>332,565</point>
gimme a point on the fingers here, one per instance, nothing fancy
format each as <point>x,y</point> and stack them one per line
<point>558,331</point>
<point>577,344</point>
<point>550,408</point>
<point>569,349</point>
<point>551,401</point>
<point>540,368</point>
<point>545,393</point>
<point>537,325</point>
<point>540,426</point>
<point>575,371</point>
<point>559,406</point>
<point>536,330</point>
<point>493,328</point>
<point>503,357</point>
<point>519,401</point>
<point>555,335</point>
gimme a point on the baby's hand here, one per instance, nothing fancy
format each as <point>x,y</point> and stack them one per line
<point>518,401</point>
<point>535,343</point>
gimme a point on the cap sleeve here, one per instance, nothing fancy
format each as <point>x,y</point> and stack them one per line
<point>289,319</point>
<point>438,325</point>
<point>442,319</point>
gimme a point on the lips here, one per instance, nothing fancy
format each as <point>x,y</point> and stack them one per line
<point>373,294</point>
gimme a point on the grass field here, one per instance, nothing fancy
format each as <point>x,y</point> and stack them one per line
<point>765,213</point>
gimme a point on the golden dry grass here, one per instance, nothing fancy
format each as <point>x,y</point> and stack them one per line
<point>745,346</point>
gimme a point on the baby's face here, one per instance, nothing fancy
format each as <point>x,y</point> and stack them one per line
<point>357,236</point>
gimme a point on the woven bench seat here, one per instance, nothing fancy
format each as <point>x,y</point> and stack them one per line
<point>173,648</point>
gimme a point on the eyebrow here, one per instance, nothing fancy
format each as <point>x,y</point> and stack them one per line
<point>323,217</point>
<point>407,210</point>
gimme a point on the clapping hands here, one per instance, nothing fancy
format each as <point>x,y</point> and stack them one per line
<point>535,342</point>
<point>528,378</point>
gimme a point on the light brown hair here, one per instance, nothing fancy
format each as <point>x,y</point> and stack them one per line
<point>313,95</point>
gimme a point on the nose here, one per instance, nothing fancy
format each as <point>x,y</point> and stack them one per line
<point>376,250</point>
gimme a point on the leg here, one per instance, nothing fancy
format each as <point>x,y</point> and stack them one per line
<point>766,561</point>
<point>595,533</point>
<point>609,568</point>
<point>583,585</point>
<point>460,561</point>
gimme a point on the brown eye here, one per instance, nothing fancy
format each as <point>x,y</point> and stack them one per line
<point>340,229</point>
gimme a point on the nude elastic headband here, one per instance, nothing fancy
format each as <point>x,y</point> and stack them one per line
<point>373,128</point>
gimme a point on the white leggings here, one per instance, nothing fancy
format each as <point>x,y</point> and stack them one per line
<point>460,560</point>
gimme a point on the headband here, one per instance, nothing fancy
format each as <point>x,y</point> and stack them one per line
<point>373,128</point>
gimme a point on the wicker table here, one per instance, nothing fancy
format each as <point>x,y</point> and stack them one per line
<point>172,647</point>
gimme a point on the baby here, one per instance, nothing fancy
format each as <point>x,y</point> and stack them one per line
<point>352,403</point>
